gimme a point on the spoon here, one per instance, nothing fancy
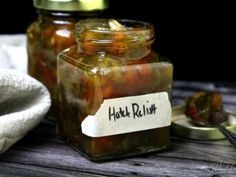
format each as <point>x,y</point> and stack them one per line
<point>218,119</point>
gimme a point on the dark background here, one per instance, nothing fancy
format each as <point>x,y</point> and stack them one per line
<point>198,37</point>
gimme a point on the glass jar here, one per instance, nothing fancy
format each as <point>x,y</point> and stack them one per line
<point>114,91</point>
<point>52,32</point>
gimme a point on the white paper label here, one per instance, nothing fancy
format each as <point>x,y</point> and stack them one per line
<point>129,114</point>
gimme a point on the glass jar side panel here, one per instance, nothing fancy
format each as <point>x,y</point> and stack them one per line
<point>79,96</point>
<point>44,41</point>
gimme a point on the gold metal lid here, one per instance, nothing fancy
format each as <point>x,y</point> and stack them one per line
<point>71,5</point>
<point>182,126</point>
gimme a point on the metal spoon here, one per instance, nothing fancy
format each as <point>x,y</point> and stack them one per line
<point>217,122</point>
<point>228,134</point>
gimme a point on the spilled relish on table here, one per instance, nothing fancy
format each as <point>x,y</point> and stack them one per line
<point>52,32</point>
<point>114,91</point>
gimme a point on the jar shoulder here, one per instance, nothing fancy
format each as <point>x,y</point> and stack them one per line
<point>100,65</point>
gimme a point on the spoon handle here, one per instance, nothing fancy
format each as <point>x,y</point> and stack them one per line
<point>228,134</point>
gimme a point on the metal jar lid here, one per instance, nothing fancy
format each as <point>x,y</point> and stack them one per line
<point>71,5</point>
<point>182,126</point>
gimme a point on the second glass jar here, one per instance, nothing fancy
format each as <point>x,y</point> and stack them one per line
<point>52,32</point>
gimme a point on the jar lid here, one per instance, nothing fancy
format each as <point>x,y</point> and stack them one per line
<point>182,126</point>
<point>71,5</point>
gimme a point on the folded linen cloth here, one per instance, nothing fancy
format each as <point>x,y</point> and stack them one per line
<point>23,103</point>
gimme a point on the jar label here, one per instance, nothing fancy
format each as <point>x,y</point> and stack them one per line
<point>129,114</point>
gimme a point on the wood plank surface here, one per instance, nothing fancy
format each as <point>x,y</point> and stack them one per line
<point>43,153</point>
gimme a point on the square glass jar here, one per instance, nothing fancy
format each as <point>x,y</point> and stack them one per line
<point>114,91</point>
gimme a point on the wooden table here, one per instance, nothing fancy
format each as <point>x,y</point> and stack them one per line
<point>42,153</point>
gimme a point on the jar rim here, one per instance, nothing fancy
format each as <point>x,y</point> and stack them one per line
<point>95,23</point>
<point>134,30</point>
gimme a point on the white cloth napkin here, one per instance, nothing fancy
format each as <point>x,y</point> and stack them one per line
<point>23,103</point>
<point>23,100</point>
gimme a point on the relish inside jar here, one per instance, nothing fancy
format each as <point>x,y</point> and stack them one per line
<point>113,64</point>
